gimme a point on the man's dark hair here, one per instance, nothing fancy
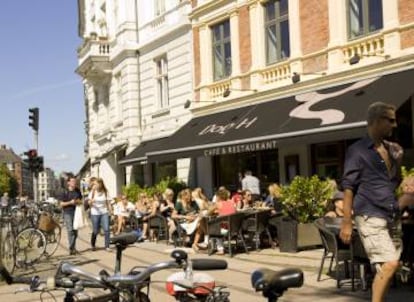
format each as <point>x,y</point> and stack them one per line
<point>377,110</point>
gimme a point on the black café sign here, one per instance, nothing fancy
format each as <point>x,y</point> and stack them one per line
<point>240,148</point>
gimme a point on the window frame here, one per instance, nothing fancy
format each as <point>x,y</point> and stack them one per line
<point>365,19</point>
<point>161,81</point>
<point>277,22</point>
<point>222,42</point>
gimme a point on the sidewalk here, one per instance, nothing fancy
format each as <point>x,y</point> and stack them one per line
<point>236,277</point>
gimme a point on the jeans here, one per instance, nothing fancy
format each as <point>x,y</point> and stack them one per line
<point>72,234</point>
<point>100,221</point>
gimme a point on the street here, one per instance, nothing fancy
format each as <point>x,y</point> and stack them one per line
<point>236,277</point>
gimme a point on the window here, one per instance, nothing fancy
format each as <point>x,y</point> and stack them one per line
<point>277,31</point>
<point>161,76</point>
<point>221,50</point>
<point>159,7</point>
<point>364,17</point>
<point>164,170</point>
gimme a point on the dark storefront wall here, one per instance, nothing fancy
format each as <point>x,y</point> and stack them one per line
<point>229,168</point>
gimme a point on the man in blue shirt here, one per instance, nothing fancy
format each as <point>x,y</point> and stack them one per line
<point>68,201</point>
<point>371,175</point>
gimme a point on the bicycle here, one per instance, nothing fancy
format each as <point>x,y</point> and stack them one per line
<point>133,286</point>
<point>8,258</point>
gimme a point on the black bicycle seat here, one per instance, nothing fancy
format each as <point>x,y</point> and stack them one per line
<point>274,283</point>
<point>124,238</point>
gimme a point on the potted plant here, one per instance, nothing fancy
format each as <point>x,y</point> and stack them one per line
<point>303,200</point>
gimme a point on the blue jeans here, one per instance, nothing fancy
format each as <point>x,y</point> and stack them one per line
<point>100,221</point>
<point>72,234</point>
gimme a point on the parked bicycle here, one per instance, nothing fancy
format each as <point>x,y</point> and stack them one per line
<point>133,286</point>
<point>29,233</point>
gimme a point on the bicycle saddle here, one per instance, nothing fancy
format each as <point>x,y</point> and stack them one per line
<point>124,238</point>
<point>273,283</point>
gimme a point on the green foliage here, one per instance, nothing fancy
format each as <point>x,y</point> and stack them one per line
<point>405,172</point>
<point>407,176</point>
<point>132,191</point>
<point>8,183</point>
<point>305,198</point>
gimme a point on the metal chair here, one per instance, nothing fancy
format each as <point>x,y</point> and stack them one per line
<point>332,251</point>
<point>159,225</point>
<point>233,224</point>
<point>256,223</point>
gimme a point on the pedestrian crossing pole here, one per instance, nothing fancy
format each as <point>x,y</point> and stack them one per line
<point>34,124</point>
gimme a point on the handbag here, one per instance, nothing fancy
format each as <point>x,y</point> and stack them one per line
<point>80,219</point>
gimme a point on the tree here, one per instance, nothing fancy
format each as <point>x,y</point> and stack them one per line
<point>8,183</point>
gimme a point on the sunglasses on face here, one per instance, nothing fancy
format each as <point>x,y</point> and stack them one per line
<point>389,119</point>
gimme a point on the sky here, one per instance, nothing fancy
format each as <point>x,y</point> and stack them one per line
<point>38,59</point>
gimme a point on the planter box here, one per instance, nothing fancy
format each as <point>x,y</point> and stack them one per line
<point>295,236</point>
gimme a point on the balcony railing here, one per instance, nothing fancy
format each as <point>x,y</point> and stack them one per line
<point>94,48</point>
<point>370,46</point>
<point>276,73</point>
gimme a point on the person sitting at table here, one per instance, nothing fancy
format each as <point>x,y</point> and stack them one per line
<point>204,206</point>
<point>406,200</point>
<point>273,199</point>
<point>122,210</point>
<point>167,206</point>
<point>246,201</point>
<point>153,209</point>
<point>223,206</point>
<point>406,205</point>
<point>236,197</point>
<point>186,213</point>
<point>335,207</point>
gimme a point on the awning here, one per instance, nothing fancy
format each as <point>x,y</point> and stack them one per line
<point>138,155</point>
<point>338,111</point>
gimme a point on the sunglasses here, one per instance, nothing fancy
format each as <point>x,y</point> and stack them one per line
<point>389,119</point>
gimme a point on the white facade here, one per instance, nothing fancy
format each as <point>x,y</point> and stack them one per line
<point>128,49</point>
<point>46,184</point>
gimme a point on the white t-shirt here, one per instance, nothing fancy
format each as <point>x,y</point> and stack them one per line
<point>123,210</point>
<point>100,205</point>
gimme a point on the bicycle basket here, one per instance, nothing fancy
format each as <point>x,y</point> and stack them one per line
<point>46,222</point>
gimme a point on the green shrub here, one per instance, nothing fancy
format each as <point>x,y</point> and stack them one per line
<point>304,200</point>
<point>132,191</point>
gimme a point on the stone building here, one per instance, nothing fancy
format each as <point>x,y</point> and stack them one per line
<point>279,87</point>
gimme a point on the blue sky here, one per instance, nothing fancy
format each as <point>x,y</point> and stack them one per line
<point>38,61</point>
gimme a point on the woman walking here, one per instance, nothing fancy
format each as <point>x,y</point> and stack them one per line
<point>100,211</point>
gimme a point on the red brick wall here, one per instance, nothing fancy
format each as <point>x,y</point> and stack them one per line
<point>406,11</point>
<point>314,25</point>
<point>407,38</point>
<point>244,38</point>
<point>406,15</point>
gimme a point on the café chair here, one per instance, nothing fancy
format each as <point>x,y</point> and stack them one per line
<point>159,226</point>
<point>360,262</point>
<point>233,224</point>
<point>333,251</point>
<point>256,223</point>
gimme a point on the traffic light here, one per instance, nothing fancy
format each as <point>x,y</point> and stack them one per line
<point>31,156</point>
<point>34,118</point>
<point>38,164</point>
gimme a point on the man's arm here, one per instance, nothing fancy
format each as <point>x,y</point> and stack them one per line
<point>346,227</point>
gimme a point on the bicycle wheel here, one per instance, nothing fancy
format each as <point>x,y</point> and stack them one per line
<point>30,246</point>
<point>52,240</point>
<point>8,259</point>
